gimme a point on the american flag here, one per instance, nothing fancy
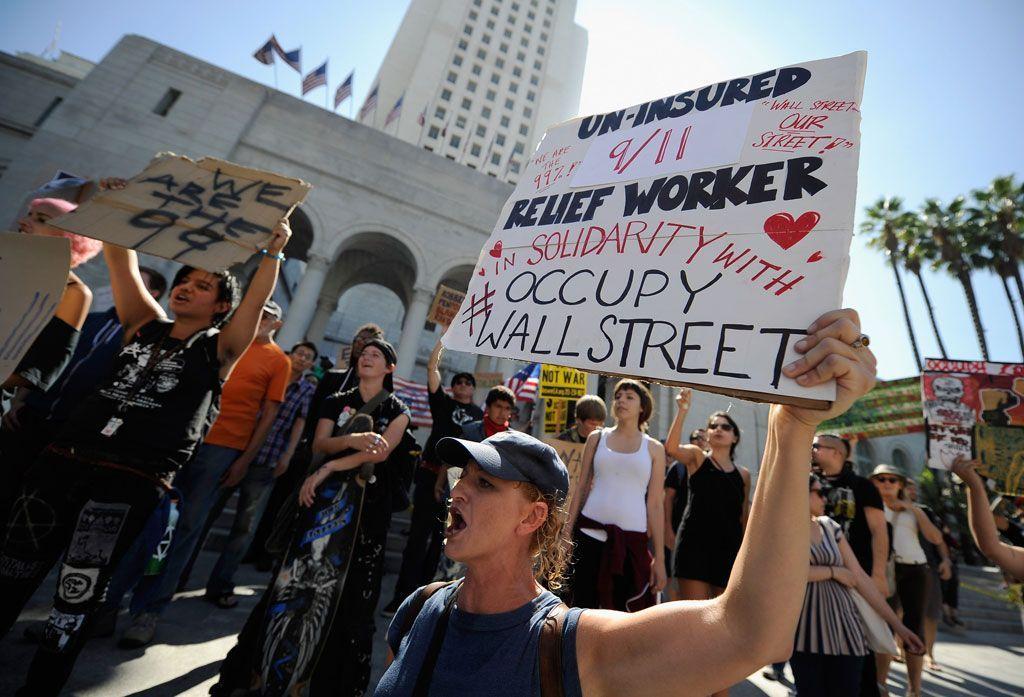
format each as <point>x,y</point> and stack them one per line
<point>524,384</point>
<point>344,90</point>
<point>395,112</point>
<point>414,395</point>
<point>292,58</point>
<point>369,104</point>
<point>315,79</point>
<point>265,53</point>
<point>422,118</point>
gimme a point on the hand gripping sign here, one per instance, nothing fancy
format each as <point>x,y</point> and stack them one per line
<point>209,214</point>
<point>688,240</point>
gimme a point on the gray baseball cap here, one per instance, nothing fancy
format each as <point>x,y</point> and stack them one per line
<point>513,456</point>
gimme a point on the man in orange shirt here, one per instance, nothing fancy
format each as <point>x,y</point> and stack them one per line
<point>249,402</point>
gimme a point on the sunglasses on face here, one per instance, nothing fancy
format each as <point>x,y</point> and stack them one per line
<point>725,427</point>
<point>888,480</point>
<point>821,446</point>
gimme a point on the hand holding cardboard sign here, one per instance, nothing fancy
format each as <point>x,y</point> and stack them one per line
<point>828,354</point>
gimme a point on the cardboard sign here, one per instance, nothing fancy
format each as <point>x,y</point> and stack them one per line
<point>572,457</point>
<point>209,214</point>
<point>557,382</point>
<point>485,381</point>
<point>976,409</point>
<point>445,306</point>
<point>34,270</point>
<point>688,240</point>
<point>556,414</point>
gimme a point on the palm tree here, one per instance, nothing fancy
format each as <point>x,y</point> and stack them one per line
<point>950,228</point>
<point>917,246</point>
<point>881,225</point>
<point>998,214</point>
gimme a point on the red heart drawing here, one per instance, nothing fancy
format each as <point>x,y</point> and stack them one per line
<point>786,232</point>
<point>815,257</point>
<point>481,271</point>
<point>496,250</point>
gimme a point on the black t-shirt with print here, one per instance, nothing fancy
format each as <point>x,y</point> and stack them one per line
<point>848,495</point>
<point>342,406</point>
<point>158,403</point>
<point>449,417</point>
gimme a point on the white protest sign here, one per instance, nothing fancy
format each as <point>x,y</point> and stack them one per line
<point>688,240</point>
<point>209,214</point>
<point>34,270</point>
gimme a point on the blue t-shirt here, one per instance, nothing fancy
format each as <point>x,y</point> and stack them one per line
<point>492,655</point>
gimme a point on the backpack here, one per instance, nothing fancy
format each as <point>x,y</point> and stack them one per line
<point>549,652</point>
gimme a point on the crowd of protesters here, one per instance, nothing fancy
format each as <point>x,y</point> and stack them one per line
<point>124,433</point>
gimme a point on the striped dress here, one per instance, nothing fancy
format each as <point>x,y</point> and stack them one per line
<point>830,623</point>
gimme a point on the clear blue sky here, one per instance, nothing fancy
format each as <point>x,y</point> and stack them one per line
<point>942,105</point>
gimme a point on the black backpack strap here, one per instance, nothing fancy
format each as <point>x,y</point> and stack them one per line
<point>426,674</point>
<point>550,652</point>
<point>417,604</point>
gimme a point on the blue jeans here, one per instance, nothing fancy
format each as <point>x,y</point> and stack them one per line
<point>253,495</point>
<point>199,484</point>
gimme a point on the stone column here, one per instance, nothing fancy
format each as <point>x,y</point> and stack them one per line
<point>303,304</point>
<point>325,307</point>
<point>483,364</point>
<point>412,330</point>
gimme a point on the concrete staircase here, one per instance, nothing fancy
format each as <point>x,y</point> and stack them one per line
<point>981,606</point>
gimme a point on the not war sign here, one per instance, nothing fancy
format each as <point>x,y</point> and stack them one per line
<point>209,214</point>
<point>688,240</point>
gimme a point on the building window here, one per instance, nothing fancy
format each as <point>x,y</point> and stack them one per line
<point>504,122</point>
<point>536,65</point>
<point>473,14</point>
<point>531,96</point>
<point>456,59</point>
<point>477,69</point>
<point>452,77</point>
<point>514,167</point>
<point>520,56</point>
<point>481,131</point>
<point>460,121</point>
<point>509,104</point>
<point>503,48</point>
<point>471,86</point>
<point>499,139</point>
<point>495,78</point>
<point>524,42</point>
<point>515,7</point>
<point>524,129</point>
<point>513,87</point>
<point>543,37</point>
<point>517,71</point>
<point>477,2</point>
<point>467,103</point>
<point>527,112</point>
<point>486,112</point>
<point>486,38</point>
<point>494,10</point>
<point>519,147</point>
<point>467,30</point>
<point>496,158</point>
<point>463,44</point>
<point>528,28</point>
<point>446,94</point>
<point>491,94</point>
<point>540,50</point>
<point>455,141</point>
<point>481,54</point>
<point>508,33</point>
<point>432,133</point>
<point>490,24</point>
<point>550,11</point>
<point>547,23</point>
<point>450,157</point>
<point>53,105</point>
<point>534,80</point>
<point>165,104</point>
<point>440,112</point>
<point>474,150</point>
<point>499,62</point>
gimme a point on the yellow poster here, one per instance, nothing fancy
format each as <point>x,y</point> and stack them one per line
<point>557,382</point>
<point>1001,452</point>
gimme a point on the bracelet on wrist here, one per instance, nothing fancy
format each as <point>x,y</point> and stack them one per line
<point>273,255</point>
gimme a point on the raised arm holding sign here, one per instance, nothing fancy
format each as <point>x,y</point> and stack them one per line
<point>687,240</point>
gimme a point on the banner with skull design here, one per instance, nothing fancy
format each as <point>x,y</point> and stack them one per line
<point>976,409</point>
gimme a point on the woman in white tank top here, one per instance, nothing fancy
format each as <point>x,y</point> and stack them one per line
<point>614,510</point>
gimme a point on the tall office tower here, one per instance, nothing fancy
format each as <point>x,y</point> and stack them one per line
<point>485,77</point>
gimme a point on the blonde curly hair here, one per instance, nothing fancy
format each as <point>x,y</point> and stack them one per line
<point>550,552</point>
